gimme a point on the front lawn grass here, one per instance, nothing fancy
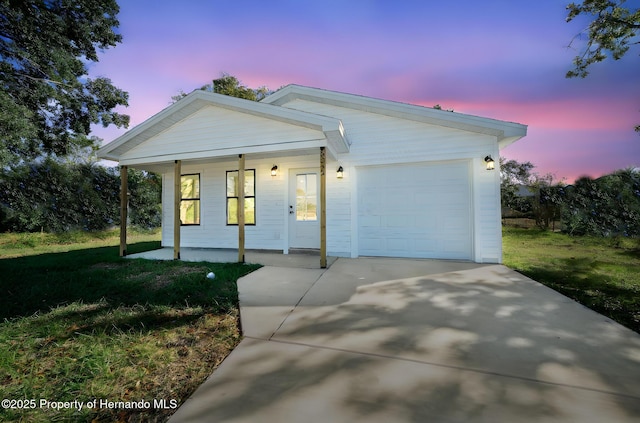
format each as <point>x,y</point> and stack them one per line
<point>81,324</point>
<point>600,273</point>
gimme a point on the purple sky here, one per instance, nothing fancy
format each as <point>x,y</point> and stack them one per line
<point>499,59</point>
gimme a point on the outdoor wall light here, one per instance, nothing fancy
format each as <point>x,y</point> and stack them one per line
<point>490,163</point>
<point>340,173</point>
<point>274,170</point>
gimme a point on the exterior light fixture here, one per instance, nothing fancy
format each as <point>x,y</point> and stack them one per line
<point>490,163</point>
<point>274,170</point>
<point>340,173</point>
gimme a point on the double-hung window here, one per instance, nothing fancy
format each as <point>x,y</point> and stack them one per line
<point>249,197</point>
<point>190,199</point>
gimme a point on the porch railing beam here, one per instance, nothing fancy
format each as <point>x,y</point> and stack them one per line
<point>177,198</point>
<point>323,207</point>
<point>241,208</point>
<point>124,198</point>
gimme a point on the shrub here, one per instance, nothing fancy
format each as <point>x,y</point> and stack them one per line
<point>51,196</point>
<point>607,206</point>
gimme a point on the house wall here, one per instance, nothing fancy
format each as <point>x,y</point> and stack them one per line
<point>375,140</point>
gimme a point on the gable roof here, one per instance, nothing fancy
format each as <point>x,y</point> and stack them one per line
<point>330,129</point>
<point>506,132</point>
<point>197,100</point>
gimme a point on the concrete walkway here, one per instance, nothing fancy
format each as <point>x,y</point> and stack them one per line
<point>385,340</point>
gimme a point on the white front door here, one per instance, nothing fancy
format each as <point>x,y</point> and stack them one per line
<point>304,208</point>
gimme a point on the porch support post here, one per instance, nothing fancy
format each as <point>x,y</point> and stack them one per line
<point>241,209</point>
<point>323,208</point>
<point>123,210</point>
<point>177,197</point>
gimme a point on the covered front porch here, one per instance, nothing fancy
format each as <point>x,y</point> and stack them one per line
<point>175,144</point>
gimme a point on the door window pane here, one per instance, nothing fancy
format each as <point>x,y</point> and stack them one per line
<point>306,197</point>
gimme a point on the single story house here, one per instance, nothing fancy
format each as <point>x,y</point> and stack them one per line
<point>308,168</point>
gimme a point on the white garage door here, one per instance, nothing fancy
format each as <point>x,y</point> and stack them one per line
<point>415,210</point>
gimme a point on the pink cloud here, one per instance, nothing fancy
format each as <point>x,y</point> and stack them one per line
<point>579,114</point>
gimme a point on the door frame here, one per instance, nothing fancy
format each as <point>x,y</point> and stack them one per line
<point>291,199</point>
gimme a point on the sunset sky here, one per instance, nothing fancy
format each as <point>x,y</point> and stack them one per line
<point>499,59</point>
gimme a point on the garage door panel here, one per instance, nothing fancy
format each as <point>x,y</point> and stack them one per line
<point>428,215</point>
<point>399,221</point>
<point>426,246</point>
<point>397,244</point>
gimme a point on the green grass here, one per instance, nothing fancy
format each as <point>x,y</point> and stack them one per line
<point>80,323</point>
<point>600,273</point>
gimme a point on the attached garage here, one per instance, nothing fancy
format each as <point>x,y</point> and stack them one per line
<point>415,210</point>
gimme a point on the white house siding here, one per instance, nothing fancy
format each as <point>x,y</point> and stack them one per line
<point>488,227</point>
<point>216,128</point>
<point>381,140</point>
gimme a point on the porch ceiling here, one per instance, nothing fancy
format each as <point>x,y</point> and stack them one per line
<point>167,166</point>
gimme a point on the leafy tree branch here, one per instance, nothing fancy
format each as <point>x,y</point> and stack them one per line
<point>48,102</point>
<point>611,32</point>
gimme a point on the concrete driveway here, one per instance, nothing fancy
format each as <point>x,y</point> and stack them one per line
<point>393,340</point>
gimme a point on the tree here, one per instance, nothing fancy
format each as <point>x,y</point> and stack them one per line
<point>607,206</point>
<point>611,31</point>
<point>231,86</point>
<point>47,101</point>
<point>547,201</point>
<point>513,176</point>
<point>55,196</point>
<point>146,198</point>
<point>543,198</point>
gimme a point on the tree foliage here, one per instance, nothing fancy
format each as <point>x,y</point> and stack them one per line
<point>47,102</point>
<point>514,176</point>
<point>607,206</point>
<point>547,202</point>
<point>53,196</point>
<point>527,193</point>
<point>231,86</point>
<point>611,32</point>
<point>145,209</point>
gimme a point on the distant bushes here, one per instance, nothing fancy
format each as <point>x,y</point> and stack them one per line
<point>52,196</point>
<point>607,206</point>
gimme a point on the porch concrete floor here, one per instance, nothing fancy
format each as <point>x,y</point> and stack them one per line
<point>220,255</point>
